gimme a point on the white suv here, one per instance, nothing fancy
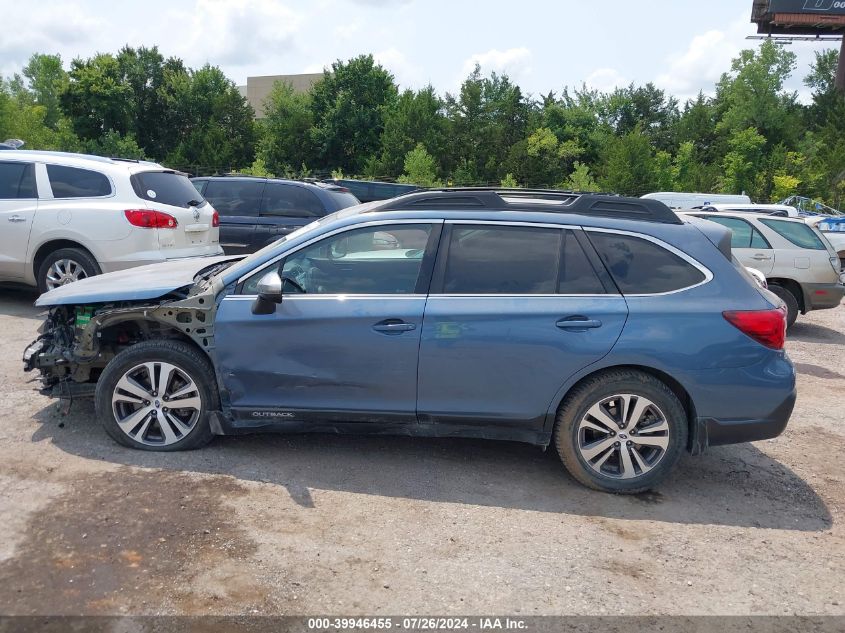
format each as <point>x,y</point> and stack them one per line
<point>64,217</point>
<point>800,265</point>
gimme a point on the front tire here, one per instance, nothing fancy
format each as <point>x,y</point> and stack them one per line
<point>621,431</point>
<point>157,395</point>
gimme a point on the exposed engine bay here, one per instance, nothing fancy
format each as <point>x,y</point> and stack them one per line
<point>76,342</point>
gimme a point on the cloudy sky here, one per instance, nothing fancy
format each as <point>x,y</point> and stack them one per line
<point>544,45</point>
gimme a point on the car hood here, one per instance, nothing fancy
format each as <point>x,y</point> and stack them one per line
<point>132,284</point>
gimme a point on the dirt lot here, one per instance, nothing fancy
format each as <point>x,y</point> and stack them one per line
<point>344,525</point>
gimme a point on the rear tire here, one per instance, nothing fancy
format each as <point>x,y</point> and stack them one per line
<point>790,300</point>
<point>621,431</point>
<point>140,391</point>
<point>64,266</point>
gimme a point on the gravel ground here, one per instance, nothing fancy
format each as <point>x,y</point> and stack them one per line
<point>352,525</point>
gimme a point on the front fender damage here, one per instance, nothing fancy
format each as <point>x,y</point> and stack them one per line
<point>77,342</point>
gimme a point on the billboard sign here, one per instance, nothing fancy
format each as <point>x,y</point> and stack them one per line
<point>830,7</point>
<point>799,17</point>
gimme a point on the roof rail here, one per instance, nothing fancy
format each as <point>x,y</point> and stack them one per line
<point>532,200</point>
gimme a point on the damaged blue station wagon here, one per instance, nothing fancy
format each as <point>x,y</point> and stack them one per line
<point>605,325</point>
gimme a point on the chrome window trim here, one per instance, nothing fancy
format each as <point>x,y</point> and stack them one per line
<point>708,275</point>
<point>317,238</point>
<point>104,175</point>
<point>335,297</point>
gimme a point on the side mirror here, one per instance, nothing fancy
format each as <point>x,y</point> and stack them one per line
<point>269,294</point>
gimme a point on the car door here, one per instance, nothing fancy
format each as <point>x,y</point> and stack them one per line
<point>237,201</point>
<point>18,204</point>
<point>343,344</point>
<point>285,208</point>
<point>514,311</point>
<point>747,243</point>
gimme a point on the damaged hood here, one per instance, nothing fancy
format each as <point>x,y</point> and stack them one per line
<point>132,284</point>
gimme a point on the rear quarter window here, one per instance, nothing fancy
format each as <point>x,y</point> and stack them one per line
<point>796,232</point>
<point>72,182</point>
<point>639,266</point>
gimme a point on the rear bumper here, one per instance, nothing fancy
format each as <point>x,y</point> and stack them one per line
<point>157,257</point>
<point>713,432</point>
<point>823,296</point>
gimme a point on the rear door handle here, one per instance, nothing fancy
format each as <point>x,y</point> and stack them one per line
<point>393,326</point>
<point>761,258</point>
<point>16,218</point>
<point>578,323</point>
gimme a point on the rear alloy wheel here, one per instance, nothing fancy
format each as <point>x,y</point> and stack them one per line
<point>621,431</point>
<point>157,395</point>
<point>623,436</point>
<point>65,266</point>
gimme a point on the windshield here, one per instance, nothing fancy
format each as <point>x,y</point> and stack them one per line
<point>167,187</point>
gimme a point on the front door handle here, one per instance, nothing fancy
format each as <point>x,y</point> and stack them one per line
<point>393,326</point>
<point>761,258</point>
<point>576,323</point>
<point>16,218</point>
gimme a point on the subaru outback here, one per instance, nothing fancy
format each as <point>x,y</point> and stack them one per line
<point>606,326</point>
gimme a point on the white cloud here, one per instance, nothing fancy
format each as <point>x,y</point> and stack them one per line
<point>606,80</point>
<point>706,58</point>
<point>236,32</point>
<point>48,28</point>
<point>515,62</point>
<point>407,74</point>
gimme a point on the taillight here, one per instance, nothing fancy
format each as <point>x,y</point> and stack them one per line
<point>767,327</point>
<point>215,219</point>
<point>147,219</point>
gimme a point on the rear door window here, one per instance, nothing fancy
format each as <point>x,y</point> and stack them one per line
<point>577,276</point>
<point>235,197</point>
<point>743,235</point>
<point>796,232</point>
<point>17,180</point>
<point>72,182</point>
<point>506,260</point>
<point>167,187</point>
<point>639,266</point>
<point>343,199</point>
<point>291,201</point>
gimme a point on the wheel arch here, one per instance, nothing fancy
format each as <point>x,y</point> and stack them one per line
<point>51,246</point>
<point>141,324</point>
<point>794,287</point>
<point>674,385</point>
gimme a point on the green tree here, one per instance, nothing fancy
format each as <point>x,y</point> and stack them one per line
<point>216,125</point>
<point>420,168</point>
<point>417,117</point>
<point>752,95</point>
<point>509,182</point>
<point>349,105</point>
<point>581,179</point>
<point>629,166</point>
<point>96,99</point>
<point>742,163</point>
<point>47,79</point>
<point>285,132</point>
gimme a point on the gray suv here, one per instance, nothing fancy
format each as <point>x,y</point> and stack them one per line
<point>255,212</point>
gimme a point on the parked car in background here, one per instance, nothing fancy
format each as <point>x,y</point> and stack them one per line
<point>64,217</point>
<point>781,210</point>
<point>371,190</point>
<point>679,200</point>
<point>833,229</point>
<point>255,212</point>
<point>604,325</point>
<point>800,265</point>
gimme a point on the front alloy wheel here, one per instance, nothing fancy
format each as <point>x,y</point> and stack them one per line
<point>623,436</point>
<point>156,403</point>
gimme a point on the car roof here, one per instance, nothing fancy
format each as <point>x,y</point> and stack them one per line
<point>322,186</point>
<point>70,159</point>
<point>773,207</point>
<point>740,215</point>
